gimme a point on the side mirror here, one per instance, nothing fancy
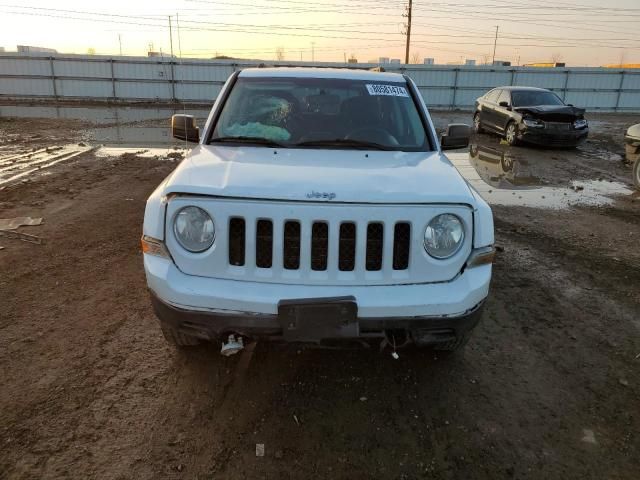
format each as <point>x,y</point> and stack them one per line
<point>569,104</point>
<point>457,135</point>
<point>505,105</point>
<point>183,127</point>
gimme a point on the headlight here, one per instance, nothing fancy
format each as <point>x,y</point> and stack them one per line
<point>581,123</point>
<point>532,122</point>
<point>443,236</point>
<point>194,229</point>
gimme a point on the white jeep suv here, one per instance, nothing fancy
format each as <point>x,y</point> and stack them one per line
<point>318,205</point>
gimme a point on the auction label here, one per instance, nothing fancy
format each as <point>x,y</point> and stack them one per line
<point>389,90</point>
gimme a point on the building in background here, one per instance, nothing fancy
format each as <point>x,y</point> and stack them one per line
<point>30,49</point>
<point>501,63</point>
<point>383,60</point>
<point>429,61</point>
<point>395,61</point>
<point>470,62</point>
<point>622,65</point>
<point>545,64</point>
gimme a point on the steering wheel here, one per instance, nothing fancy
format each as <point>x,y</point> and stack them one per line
<point>372,134</point>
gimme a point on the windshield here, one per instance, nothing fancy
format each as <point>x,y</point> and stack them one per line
<point>321,112</point>
<point>534,98</point>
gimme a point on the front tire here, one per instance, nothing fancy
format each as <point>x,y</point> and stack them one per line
<point>477,123</point>
<point>511,134</point>
<point>636,173</point>
<point>178,339</point>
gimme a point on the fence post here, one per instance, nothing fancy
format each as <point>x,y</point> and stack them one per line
<point>455,89</point>
<point>619,90</point>
<point>566,83</point>
<point>173,82</point>
<point>513,75</point>
<point>113,81</point>
<point>53,78</point>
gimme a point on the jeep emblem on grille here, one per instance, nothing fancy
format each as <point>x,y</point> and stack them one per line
<point>325,195</point>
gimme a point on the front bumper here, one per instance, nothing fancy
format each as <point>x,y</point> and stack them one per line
<point>544,137</point>
<point>208,307</point>
<point>212,325</point>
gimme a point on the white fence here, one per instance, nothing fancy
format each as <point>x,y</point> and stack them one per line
<point>196,81</point>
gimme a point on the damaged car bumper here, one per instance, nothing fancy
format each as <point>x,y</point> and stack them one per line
<point>208,308</point>
<point>544,137</point>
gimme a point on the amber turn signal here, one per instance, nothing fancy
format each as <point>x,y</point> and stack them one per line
<point>153,246</point>
<point>481,256</point>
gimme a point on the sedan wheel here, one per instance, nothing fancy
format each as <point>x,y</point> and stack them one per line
<point>511,134</point>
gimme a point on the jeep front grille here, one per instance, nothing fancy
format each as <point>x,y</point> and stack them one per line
<point>318,243</point>
<point>318,251</point>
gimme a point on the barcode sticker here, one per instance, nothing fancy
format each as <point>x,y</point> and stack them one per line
<point>389,90</point>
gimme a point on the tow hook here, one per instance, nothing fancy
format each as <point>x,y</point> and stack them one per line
<point>234,345</point>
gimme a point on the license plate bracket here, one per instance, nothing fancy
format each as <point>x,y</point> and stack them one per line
<point>315,319</point>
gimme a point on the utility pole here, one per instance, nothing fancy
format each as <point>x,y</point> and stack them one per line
<point>170,36</point>
<point>120,42</point>
<point>408,15</point>
<point>495,43</point>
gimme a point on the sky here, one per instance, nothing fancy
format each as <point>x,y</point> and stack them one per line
<point>582,33</point>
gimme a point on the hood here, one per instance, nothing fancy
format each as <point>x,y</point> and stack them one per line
<point>552,113</point>
<point>353,176</point>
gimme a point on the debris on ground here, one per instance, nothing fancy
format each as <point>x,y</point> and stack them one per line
<point>259,449</point>
<point>589,436</point>
<point>13,223</point>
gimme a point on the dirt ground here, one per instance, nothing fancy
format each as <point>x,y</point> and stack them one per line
<point>548,387</point>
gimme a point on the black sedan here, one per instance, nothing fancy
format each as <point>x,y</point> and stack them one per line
<point>530,115</point>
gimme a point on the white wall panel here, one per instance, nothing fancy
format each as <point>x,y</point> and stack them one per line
<point>199,81</point>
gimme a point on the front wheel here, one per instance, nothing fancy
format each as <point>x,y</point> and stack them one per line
<point>477,124</point>
<point>511,134</point>
<point>636,173</point>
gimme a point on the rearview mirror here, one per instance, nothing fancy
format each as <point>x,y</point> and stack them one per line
<point>457,135</point>
<point>183,127</point>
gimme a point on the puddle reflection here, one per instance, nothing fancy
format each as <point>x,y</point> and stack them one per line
<point>502,169</point>
<point>502,178</point>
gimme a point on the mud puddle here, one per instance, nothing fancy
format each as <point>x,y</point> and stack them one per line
<point>123,126</point>
<point>503,178</point>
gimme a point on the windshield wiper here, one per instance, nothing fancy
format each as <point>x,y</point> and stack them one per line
<point>343,142</point>
<point>247,139</point>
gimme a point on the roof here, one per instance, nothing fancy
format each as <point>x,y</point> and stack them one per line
<point>523,89</point>
<point>346,73</point>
